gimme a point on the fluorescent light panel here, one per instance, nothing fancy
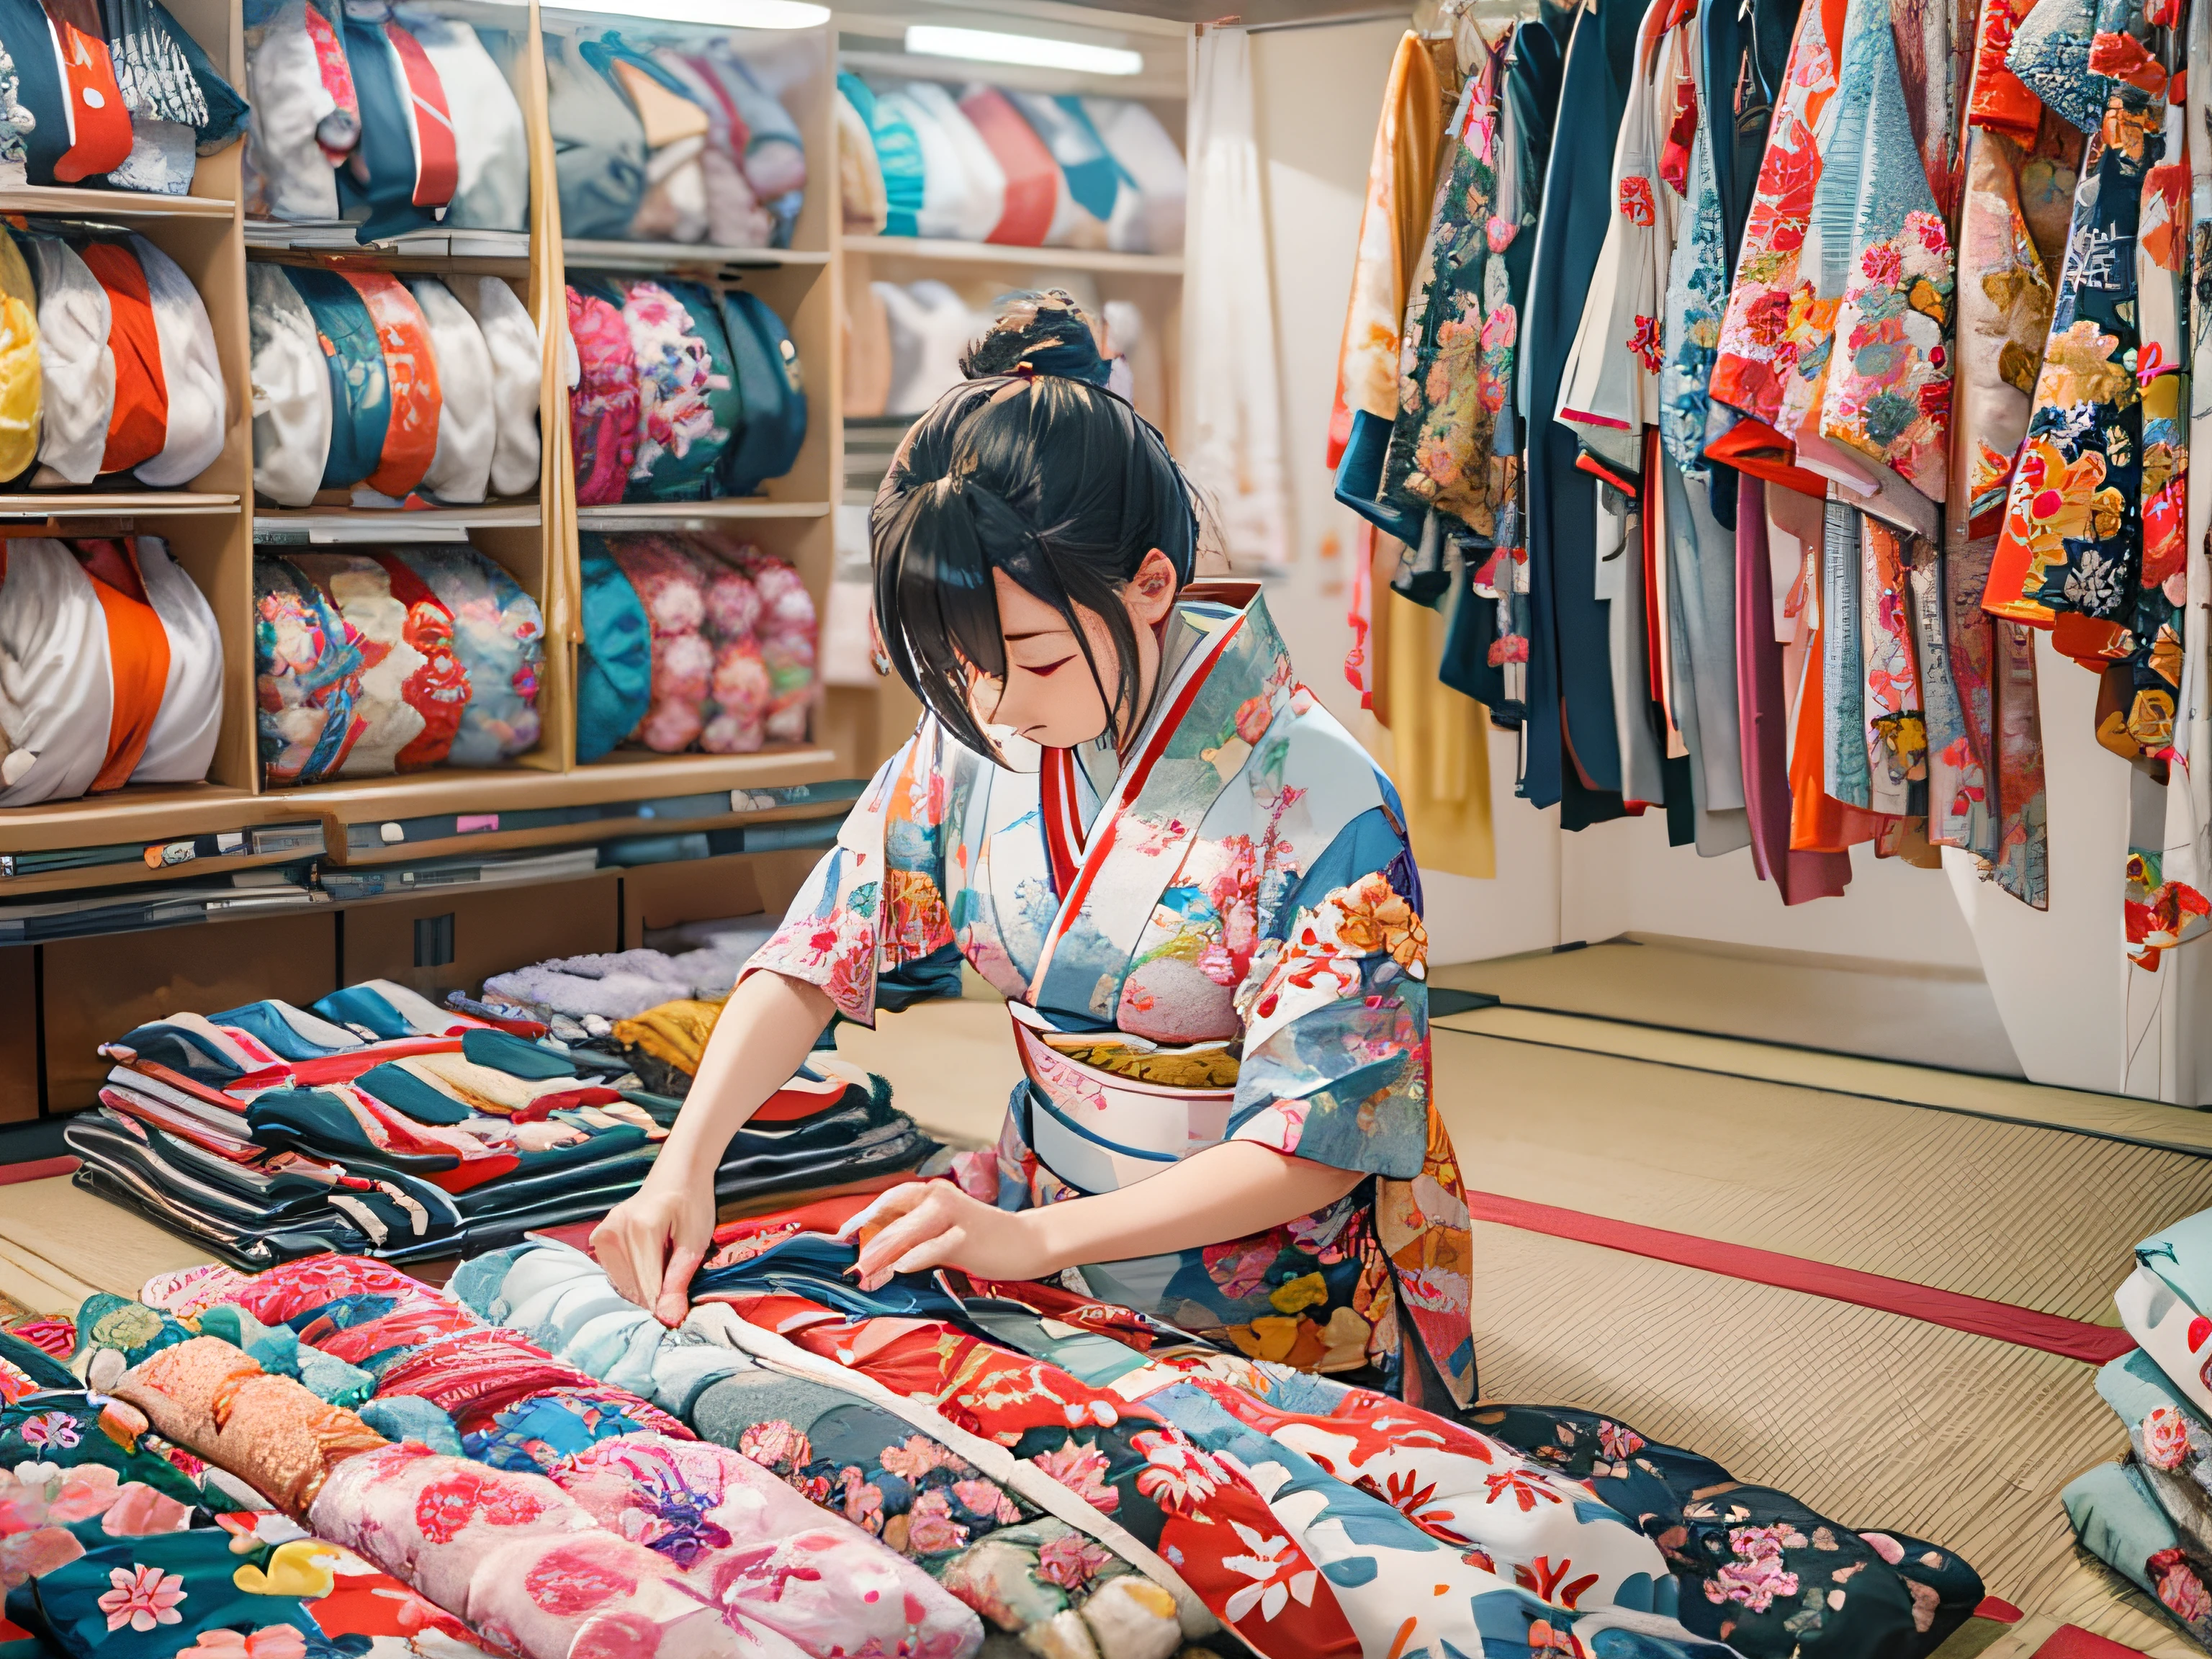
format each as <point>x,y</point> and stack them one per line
<point>1035,50</point>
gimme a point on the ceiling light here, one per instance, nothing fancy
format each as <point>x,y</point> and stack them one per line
<point>989,46</point>
<point>724,13</point>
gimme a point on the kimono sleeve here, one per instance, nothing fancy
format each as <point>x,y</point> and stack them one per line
<point>870,926</point>
<point>1335,1062</point>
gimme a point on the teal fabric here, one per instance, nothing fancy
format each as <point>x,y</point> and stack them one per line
<point>406,1417</point>
<point>358,1005</point>
<point>684,429</point>
<point>767,376</point>
<point>898,155</point>
<point>361,393</point>
<point>35,1362</point>
<point>2181,1256</point>
<point>404,1092</point>
<point>614,670</point>
<point>503,1051</point>
<point>2133,1387</point>
<point>599,147</point>
<point>64,1605</point>
<point>68,1428</point>
<point>2119,1523</point>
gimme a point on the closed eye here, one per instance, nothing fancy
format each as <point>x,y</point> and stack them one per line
<point>1048,668</point>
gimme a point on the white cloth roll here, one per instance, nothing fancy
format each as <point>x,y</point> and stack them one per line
<point>468,424</point>
<point>182,743</point>
<point>199,410</point>
<point>56,691</point>
<point>512,339</point>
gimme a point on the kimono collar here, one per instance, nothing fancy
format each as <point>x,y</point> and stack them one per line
<point>1075,782</point>
<point>1204,726</point>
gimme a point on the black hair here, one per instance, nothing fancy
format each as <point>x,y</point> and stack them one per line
<point>1030,466</point>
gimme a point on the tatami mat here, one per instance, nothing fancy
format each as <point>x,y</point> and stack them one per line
<point>1874,1419</point>
<point>1924,1015</point>
<point>2039,1217</point>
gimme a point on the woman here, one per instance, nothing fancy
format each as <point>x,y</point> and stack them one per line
<point>1191,884</point>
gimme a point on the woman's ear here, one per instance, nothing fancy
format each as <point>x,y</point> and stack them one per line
<point>1151,593</point>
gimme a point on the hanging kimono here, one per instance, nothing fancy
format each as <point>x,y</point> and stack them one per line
<point>1460,325</point>
<point>1609,392</point>
<point>1573,749</point>
<point>1221,940</point>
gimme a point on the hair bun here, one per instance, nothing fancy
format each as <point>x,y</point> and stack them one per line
<point>1047,330</point>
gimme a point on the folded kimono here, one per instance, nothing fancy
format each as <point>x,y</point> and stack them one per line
<point>699,1541</point>
<point>917,1409</point>
<point>378,1124</point>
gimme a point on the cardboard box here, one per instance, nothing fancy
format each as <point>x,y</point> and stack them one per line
<point>19,1034</point>
<point>98,988</point>
<point>479,931</point>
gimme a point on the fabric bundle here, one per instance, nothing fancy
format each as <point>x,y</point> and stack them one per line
<point>108,364</point>
<point>681,394</point>
<point>377,1123</point>
<point>2149,1516</point>
<point>119,97</point>
<point>366,664</point>
<point>115,1551</point>
<point>111,669</point>
<point>1085,1480</point>
<point>671,143</point>
<point>424,390</point>
<point>393,124</point>
<point>1014,167</point>
<point>692,640</point>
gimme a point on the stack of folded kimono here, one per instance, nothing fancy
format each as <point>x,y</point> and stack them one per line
<point>1092,1483</point>
<point>2149,1514</point>
<point>378,1124</point>
<point>1023,168</point>
<point>683,392</point>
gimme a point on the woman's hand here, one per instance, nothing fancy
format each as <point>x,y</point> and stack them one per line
<point>932,1223</point>
<point>653,1241</point>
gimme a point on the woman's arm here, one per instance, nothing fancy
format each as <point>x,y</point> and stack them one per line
<point>652,1242</point>
<point>1226,1192</point>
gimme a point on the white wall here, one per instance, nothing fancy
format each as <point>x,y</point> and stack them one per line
<point>1317,93</point>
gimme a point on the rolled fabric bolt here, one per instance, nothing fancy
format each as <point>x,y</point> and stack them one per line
<point>269,1431</point>
<point>816,1578</point>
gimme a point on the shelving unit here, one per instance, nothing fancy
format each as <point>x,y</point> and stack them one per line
<point>774,806</point>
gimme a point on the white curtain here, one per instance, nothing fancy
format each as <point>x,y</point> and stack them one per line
<point>1230,435</point>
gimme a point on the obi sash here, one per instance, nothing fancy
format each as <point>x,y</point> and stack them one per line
<point>1098,1131</point>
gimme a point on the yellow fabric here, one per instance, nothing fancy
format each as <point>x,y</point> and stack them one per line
<point>1400,186</point>
<point>1439,747</point>
<point>675,1033</point>
<point>21,385</point>
<point>665,116</point>
<point>1208,1065</point>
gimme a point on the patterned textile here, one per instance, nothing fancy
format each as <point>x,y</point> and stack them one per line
<point>307,676</point>
<point>1455,366</point>
<point>604,405</point>
<point>1218,895</point>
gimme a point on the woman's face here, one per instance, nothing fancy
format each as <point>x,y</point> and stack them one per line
<point>1048,695</point>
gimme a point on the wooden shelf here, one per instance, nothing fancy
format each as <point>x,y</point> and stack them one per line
<point>391,820</point>
<point>372,524</point>
<point>110,204</point>
<point>96,504</point>
<point>656,515</point>
<point>579,254</point>
<point>993,253</point>
<point>143,812</point>
<point>635,776</point>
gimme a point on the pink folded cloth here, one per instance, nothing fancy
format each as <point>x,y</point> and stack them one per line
<point>761,1551</point>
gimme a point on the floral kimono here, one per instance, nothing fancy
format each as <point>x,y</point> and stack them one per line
<point>1215,937</point>
<point>1456,360</point>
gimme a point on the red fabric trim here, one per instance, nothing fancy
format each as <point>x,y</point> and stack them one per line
<point>1057,784</point>
<point>39,1169</point>
<point>2071,1339</point>
<point>1589,419</point>
<point>2072,1642</point>
<point>2003,1612</point>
